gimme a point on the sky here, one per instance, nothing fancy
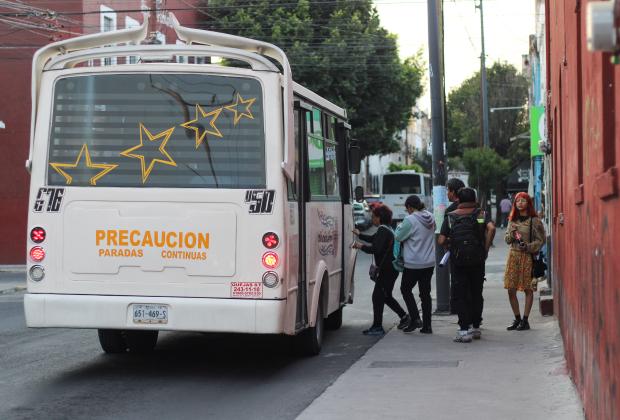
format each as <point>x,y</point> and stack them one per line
<point>507,26</point>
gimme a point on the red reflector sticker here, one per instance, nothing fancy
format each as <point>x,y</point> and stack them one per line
<point>244,289</point>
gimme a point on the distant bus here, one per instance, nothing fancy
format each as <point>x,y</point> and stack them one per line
<point>397,186</point>
<point>169,194</point>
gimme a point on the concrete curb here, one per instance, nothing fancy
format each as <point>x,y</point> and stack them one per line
<point>13,268</point>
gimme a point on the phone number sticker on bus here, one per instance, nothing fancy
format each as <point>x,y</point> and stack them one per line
<point>244,289</point>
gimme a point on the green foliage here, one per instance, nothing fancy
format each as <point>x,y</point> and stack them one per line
<point>506,88</point>
<point>485,167</point>
<point>396,167</point>
<point>455,163</point>
<point>339,50</point>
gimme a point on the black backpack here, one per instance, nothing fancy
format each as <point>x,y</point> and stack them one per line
<point>466,239</point>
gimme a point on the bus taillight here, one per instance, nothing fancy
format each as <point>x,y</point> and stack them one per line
<point>271,240</point>
<point>37,235</point>
<point>270,260</point>
<point>37,254</point>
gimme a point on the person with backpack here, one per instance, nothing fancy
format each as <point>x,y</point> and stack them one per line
<point>525,235</point>
<point>382,242</point>
<point>468,233</point>
<point>417,236</point>
<point>453,186</point>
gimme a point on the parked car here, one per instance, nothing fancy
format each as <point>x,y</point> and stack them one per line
<point>361,216</point>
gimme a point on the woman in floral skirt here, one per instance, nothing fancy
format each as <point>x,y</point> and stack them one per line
<point>526,235</point>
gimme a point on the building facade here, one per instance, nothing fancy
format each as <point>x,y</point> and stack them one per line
<point>582,114</point>
<point>25,28</point>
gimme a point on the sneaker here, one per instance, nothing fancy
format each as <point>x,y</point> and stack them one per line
<point>475,333</point>
<point>426,330</point>
<point>404,321</point>
<point>413,325</point>
<point>374,331</point>
<point>514,325</point>
<point>463,337</point>
<point>523,325</point>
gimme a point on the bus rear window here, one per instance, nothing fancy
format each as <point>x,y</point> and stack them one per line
<point>157,130</point>
<point>401,184</point>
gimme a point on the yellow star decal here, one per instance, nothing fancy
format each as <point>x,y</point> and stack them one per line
<point>200,114</point>
<point>235,108</point>
<point>105,168</point>
<point>146,171</point>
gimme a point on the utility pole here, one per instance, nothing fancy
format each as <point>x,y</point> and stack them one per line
<point>440,196</point>
<point>483,82</point>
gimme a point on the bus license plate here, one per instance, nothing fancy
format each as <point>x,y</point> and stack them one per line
<point>149,313</point>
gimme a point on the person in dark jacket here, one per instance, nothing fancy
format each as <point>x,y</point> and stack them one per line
<point>453,187</point>
<point>468,278</point>
<point>382,249</point>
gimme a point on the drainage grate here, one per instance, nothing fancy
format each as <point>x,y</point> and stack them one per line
<point>415,364</point>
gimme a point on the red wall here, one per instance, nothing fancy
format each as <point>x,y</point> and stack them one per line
<point>15,68</point>
<point>583,114</point>
<point>15,65</point>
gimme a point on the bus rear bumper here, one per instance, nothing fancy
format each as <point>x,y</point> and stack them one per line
<point>184,314</point>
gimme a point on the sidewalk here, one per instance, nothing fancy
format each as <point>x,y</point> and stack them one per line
<point>505,375</point>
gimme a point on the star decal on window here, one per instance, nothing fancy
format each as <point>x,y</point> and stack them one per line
<point>238,103</point>
<point>194,124</point>
<point>102,168</point>
<point>152,140</point>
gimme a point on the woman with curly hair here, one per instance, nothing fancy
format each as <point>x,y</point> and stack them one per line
<point>526,235</point>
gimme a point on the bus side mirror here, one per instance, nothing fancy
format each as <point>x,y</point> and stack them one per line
<point>355,158</point>
<point>359,193</point>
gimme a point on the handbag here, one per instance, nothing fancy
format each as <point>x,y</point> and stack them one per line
<point>538,262</point>
<point>373,271</point>
<point>538,266</point>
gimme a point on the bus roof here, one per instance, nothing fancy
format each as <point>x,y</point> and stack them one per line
<point>309,95</point>
<point>405,172</point>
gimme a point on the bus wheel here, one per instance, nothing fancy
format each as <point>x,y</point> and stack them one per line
<point>112,341</point>
<point>139,341</point>
<point>309,342</point>
<point>334,320</point>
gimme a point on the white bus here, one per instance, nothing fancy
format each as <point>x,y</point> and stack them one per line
<point>397,186</point>
<point>170,194</point>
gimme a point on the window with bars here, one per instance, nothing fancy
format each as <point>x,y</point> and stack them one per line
<point>157,130</point>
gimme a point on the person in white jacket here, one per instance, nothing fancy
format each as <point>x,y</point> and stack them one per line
<point>417,236</point>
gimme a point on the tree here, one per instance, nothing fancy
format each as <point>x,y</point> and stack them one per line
<point>506,88</point>
<point>396,167</point>
<point>485,166</point>
<point>339,50</point>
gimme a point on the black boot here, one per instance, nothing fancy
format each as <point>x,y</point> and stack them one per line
<point>515,324</point>
<point>413,325</point>
<point>523,325</point>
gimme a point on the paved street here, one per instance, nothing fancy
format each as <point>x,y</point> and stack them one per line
<point>63,374</point>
